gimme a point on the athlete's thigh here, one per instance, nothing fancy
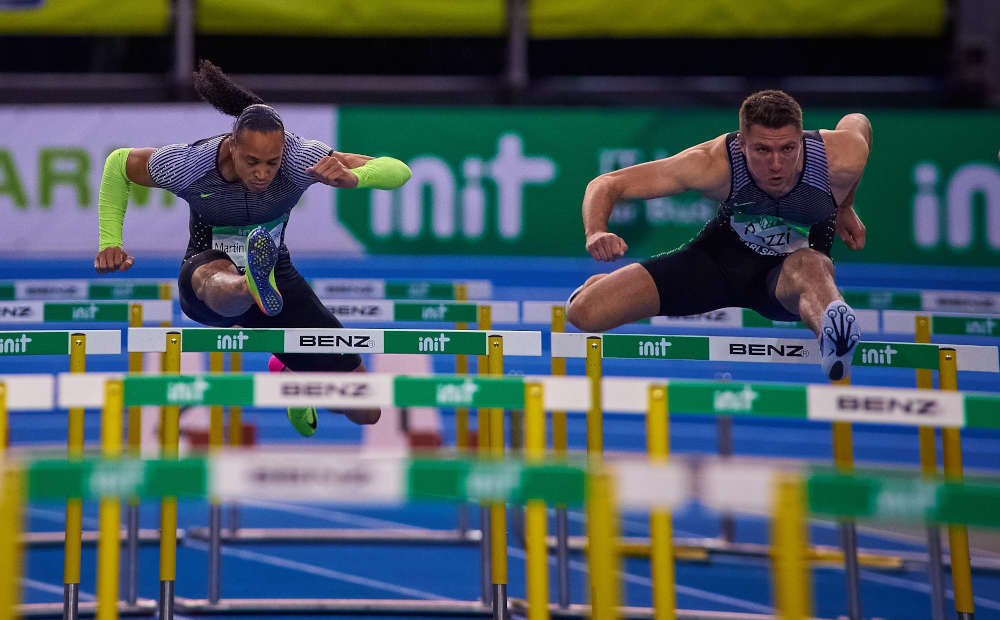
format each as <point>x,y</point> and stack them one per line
<point>622,296</point>
<point>689,281</point>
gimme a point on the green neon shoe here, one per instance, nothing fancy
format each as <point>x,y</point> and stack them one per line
<point>262,256</point>
<point>304,420</point>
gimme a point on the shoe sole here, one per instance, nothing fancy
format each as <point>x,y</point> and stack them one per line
<point>262,255</point>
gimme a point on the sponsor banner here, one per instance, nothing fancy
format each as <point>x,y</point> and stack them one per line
<point>641,486</point>
<point>88,312</point>
<point>505,393</point>
<point>655,347</point>
<point>93,479</point>
<point>308,476</point>
<point>361,310</point>
<point>52,158</point>
<point>723,317</point>
<point>981,411</point>
<point>34,343</point>
<point>886,406</point>
<point>896,355</point>
<point>539,312</point>
<point>508,482</point>
<point>85,17</point>
<point>366,288</point>
<point>28,392</point>
<point>960,301</point>
<point>50,289</point>
<point>124,290</point>
<point>563,393</point>
<point>22,312</point>
<point>39,290</point>
<point>204,340</point>
<point>331,390</point>
<point>966,326</point>
<point>333,341</point>
<point>430,341</point>
<point>780,350</point>
<point>578,18</point>
<point>84,389</point>
<point>737,399</point>
<point>496,184</point>
<point>189,390</point>
<point>440,312</point>
<point>753,319</point>
<point>627,394</point>
<point>883,300</point>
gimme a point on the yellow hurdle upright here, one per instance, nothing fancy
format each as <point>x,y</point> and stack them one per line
<point>602,545</point>
<point>11,493</point>
<point>661,534</point>
<point>790,569</point>
<point>483,451</point>
<point>843,460</point>
<point>559,443</point>
<point>74,508</point>
<point>109,513</point>
<point>535,535</point>
<point>958,535</point>
<point>169,437</point>
<point>498,510</point>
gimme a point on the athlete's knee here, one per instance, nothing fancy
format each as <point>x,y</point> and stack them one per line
<point>808,261</point>
<point>584,315</point>
<point>365,416</point>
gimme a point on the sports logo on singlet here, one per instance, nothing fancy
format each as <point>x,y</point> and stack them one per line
<point>233,239</point>
<point>769,234</point>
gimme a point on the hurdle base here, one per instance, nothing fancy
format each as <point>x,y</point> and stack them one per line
<point>58,539</point>
<point>331,606</point>
<point>142,607</point>
<point>520,607</point>
<point>312,535</point>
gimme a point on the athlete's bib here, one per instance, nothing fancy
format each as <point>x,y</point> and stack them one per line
<point>233,239</point>
<point>769,234</point>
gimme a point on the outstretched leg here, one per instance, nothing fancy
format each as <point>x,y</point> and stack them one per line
<point>806,287</point>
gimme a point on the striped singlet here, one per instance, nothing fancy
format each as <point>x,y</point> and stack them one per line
<point>223,212</point>
<point>805,217</point>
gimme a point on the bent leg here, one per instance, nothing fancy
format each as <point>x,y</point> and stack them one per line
<point>805,286</point>
<point>220,286</point>
<point>609,300</point>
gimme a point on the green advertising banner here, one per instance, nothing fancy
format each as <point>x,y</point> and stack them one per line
<point>577,18</point>
<point>510,181</point>
<point>84,17</point>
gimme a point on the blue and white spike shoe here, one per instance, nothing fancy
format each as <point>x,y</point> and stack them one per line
<point>839,336</point>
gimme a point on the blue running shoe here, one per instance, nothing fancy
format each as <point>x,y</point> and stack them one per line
<point>839,335</point>
<point>262,255</point>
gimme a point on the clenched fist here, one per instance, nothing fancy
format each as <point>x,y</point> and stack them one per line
<point>113,259</point>
<point>606,246</point>
<point>332,171</point>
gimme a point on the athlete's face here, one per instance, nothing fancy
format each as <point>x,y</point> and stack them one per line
<point>774,156</point>
<point>256,157</point>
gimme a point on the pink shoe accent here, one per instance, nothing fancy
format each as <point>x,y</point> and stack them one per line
<point>275,365</point>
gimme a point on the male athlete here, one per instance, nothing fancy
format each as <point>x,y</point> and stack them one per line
<point>782,194</point>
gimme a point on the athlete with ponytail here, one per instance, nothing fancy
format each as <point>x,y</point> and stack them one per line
<point>240,187</point>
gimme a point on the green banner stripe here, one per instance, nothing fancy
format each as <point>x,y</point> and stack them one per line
<point>419,290</point>
<point>982,411</point>
<point>7,292</point>
<point>34,343</point>
<point>123,291</point>
<point>502,481</point>
<point>198,390</point>
<point>453,342</point>
<point>655,347</point>
<point>92,479</point>
<point>884,300</point>
<point>965,326</point>
<point>897,355</point>
<point>738,399</point>
<point>912,499</point>
<point>89,312</point>
<point>449,313</point>
<point>507,393</point>
<point>241,341</point>
<point>753,319</point>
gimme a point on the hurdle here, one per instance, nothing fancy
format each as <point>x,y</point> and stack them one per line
<point>328,390</point>
<point>105,289</point>
<point>21,312</point>
<point>594,347</point>
<point>395,311</point>
<point>370,288</point>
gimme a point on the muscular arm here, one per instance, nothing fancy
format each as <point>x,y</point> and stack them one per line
<point>848,148</point>
<point>703,168</point>
<point>121,169</point>
<point>353,170</point>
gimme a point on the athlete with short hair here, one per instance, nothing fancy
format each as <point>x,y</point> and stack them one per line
<point>783,193</point>
<point>241,187</point>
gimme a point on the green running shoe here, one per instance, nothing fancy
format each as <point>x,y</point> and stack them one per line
<point>262,256</point>
<point>304,420</point>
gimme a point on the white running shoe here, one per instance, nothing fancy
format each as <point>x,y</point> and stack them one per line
<point>839,335</point>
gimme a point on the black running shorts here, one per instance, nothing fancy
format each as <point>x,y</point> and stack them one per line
<point>715,270</point>
<point>301,309</point>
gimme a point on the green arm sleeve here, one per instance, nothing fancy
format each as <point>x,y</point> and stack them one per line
<point>382,173</point>
<point>112,199</point>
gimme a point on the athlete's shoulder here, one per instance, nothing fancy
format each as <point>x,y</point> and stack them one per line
<point>709,163</point>
<point>846,153</point>
<point>175,166</point>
